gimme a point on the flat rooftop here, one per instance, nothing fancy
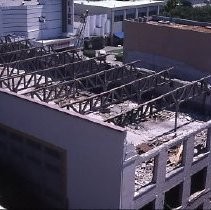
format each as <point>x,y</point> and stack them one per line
<point>118,4</point>
<point>203,29</point>
<point>177,23</point>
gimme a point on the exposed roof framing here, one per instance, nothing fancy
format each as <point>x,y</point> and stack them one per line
<point>101,79</point>
<point>168,100</point>
<point>47,76</point>
<point>25,53</point>
<point>17,45</point>
<point>90,85</point>
<point>38,63</point>
<point>119,94</point>
<point>7,39</point>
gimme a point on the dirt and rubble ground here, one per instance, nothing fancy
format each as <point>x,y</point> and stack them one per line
<point>155,132</point>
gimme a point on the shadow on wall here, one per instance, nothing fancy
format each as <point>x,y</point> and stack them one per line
<point>15,192</point>
<point>157,63</point>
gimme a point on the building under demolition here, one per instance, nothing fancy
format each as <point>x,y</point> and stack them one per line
<point>89,135</point>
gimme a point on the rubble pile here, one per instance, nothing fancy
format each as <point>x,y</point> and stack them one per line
<point>144,174</point>
<point>174,158</point>
<point>116,109</point>
<point>200,143</point>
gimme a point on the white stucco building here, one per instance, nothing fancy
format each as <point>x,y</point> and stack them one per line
<point>38,19</point>
<point>117,11</point>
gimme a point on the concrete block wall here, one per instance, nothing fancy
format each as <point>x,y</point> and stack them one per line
<point>163,181</point>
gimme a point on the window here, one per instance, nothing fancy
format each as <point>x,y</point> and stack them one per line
<point>153,11</point>
<point>119,16</point>
<point>161,8</point>
<point>200,144</point>
<point>69,22</point>
<point>198,181</point>
<point>144,174</point>
<point>131,14</point>
<point>149,206</point>
<point>173,197</point>
<point>175,157</point>
<point>200,207</point>
<point>142,12</point>
<point>69,19</point>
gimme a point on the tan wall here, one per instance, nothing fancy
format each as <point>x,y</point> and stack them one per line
<point>190,47</point>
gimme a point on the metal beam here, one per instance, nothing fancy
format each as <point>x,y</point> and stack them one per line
<point>101,79</point>
<point>11,38</point>
<point>168,100</point>
<point>22,54</point>
<point>17,45</point>
<point>5,39</point>
<point>38,63</point>
<point>130,90</point>
<point>47,76</point>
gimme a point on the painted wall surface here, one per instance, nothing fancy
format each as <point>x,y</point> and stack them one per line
<point>158,42</point>
<point>25,19</point>
<point>96,25</point>
<point>93,10</point>
<point>94,151</point>
<point>157,63</point>
<point>117,27</point>
<point>10,2</point>
<point>52,11</point>
<point>14,20</point>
